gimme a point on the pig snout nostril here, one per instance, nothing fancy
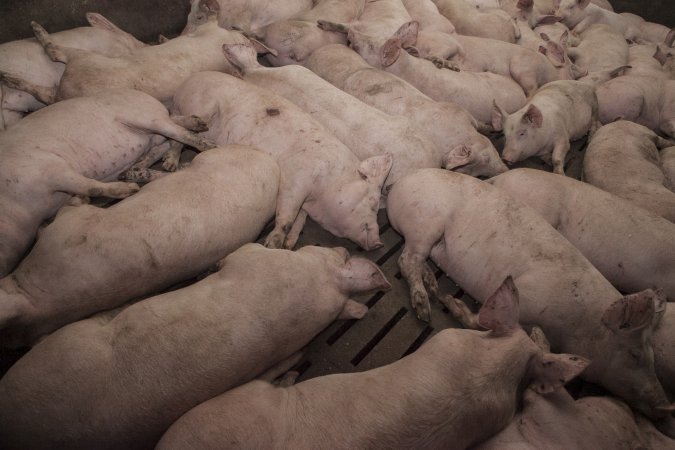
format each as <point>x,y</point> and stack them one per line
<point>508,162</point>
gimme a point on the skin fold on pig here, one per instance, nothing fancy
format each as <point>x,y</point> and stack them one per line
<point>449,125</point>
<point>600,48</point>
<point>320,176</point>
<point>471,21</point>
<point>667,157</point>
<point>560,112</point>
<point>420,401</point>
<point>26,60</point>
<point>664,357</point>
<point>121,381</point>
<point>365,130</point>
<point>647,100</point>
<point>578,15</point>
<point>295,39</point>
<point>478,234</point>
<point>156,70</point>
<point>623,158</point>
<point>248,15</point>
<point>75,147</point>
<point>93,259</point>
<point>597,223</point>
<point>474,91</point>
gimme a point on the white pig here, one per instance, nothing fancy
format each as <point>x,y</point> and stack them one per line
<point>26,60</point>
<point>156,70</point>
<point>632,248</point>
<point>447,124</point>
<point>425,12</point>
<point>365,130</point>
<point>478,234</point>
<point>471,21</point>
<point>578,15</point>
<point>474,91</point>
<point>320,176</point>
<point>623,158</point>
<point>600,48</point>
<point>247,15</point>
<point>76,148</point>
<point>560,112</point>
<point>457,389</point>
<point>121,381</point>
<point>92,259</point>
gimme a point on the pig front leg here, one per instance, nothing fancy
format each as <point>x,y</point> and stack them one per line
<point>55,52</point>
<point>151,157</point>
<point>172,130</point>
<point>192,123</point>
<point>292,196</point>
<point>560,149</point>
<point>73,183</point>
<point>171,158</point>
<point>138,175</point>
<point>296,229</point>
<point>46,95</point>
<point>414,268</point>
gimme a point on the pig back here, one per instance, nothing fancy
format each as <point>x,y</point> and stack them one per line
<point>92,259</point>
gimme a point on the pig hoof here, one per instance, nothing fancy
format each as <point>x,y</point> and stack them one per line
<point>420,304</point>
<point>170,164</point>
<point>274,240</point>
<point>199,125</point>
<point>450,65</point>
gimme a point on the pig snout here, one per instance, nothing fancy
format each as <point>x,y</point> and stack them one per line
<point>370,238</point>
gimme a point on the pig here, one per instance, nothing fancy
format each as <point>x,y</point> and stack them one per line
<point>560,112</point>
<point>76,147</point>
<point>557,422</point>
<point>120,380</point>
<point>473,91</point>
<point>447,124</point>
<point>320,176</point>
<point>432,398</point>
<point>295,39</point>
<point>600,48</point>
<point>247,15</point>
<point>597,224</point>
<point>26,60</point>
<point>646,100</point>
<point>92,259</point>
<point>490,235</point>
<point>623,159</point>
<point>470,21</point>
<point>425,12</point>
<point>365,130</point>
<point>578,15</point>
<point>530,69</point>
<point>558,32</point>
<point>156,70</point>
<point>648,60</point>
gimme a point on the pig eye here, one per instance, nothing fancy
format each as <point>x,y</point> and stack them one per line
<point>522,133</point>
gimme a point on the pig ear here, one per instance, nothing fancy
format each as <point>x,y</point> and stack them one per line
<point>327,25</point>
<point>458,156</point>
<point>670,38</point>
<point>242,56</point>
<point>564,38</point>
<point>555,54</point>
<point>583,3</point>
<point>360,275</point>
<point>353,310</point>
<point>631,313</point>
<point>209,6</point>
<point>533,116</point>
<point>660,304</point>
<point>525,5</point>
<point>578,72</point>
<point>407,34</point>
<point>550,372</point>
<point>538,337</point>
<point>500,312</point>
<point>660,55</point>
<point>261,48</point>
<point>98,21</point>
<point>391,50</point>
<point>618,71</point>
<point>498,116</point>
<point>376,168</point>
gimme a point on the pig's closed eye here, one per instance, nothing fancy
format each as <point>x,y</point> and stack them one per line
<point>522,133</point>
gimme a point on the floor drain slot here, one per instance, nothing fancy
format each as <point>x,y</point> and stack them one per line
<point>350,323</point>
<point>303,367</point>
<point>419,341</point>
<point>379,336</point>
<point>389,254</point>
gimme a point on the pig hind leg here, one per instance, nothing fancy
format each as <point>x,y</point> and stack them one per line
<point>76,184</point>
<point>171,158</point>
<point>55,52</point>
<point>44,94</point>
<point>415,270</point>
<point>292,195</point>
<point>172,130</point>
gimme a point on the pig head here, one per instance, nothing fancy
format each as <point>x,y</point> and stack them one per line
<point>476,158</point>
<point>525,133</point>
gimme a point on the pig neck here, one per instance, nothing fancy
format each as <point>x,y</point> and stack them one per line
<point>408,67</point>
<point>451,395</point>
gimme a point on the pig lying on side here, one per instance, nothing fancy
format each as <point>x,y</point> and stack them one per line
<point>365,130</point>
<point>447,124</point>
<point>457,389</point>
<point>247,15</point>
<point>92,259</point>
<point>26,60</point>
<point>320,176</point>
<point>473,91</point>
<point>600,48</point>
<point>580,14</point>
<point>157,70</point>
<point>623,159</point>
<point>121,381</point>
<point>295,39</point>
<point>76,147</point>
<point>597,224</point>
<point>470,21</point>
<point>478,234</point>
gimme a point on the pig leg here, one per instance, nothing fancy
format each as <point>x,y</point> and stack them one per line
<point>171,130</point>
<point>412,263</point>
<point>280,368</point>
<point>152,156</point>
<point>558,156</point>
<point>43,94</point>
<point>73,183</point>
<point>296,229</point>
<point>98,21</point>
<point>460,311</point>
<point>138,175</point>
<point>292,196</point>
<point>192,123</point>
<point>171,158</point>
<point>55,52</point>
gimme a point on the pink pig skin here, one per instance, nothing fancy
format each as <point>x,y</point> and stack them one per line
<point>74,147</point>
<point>92,259</point>
<point>120,379</point>
<point>442,395</point>
<point>478,234</point>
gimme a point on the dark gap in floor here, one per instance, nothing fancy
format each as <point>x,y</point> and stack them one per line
<point>379,336</point>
